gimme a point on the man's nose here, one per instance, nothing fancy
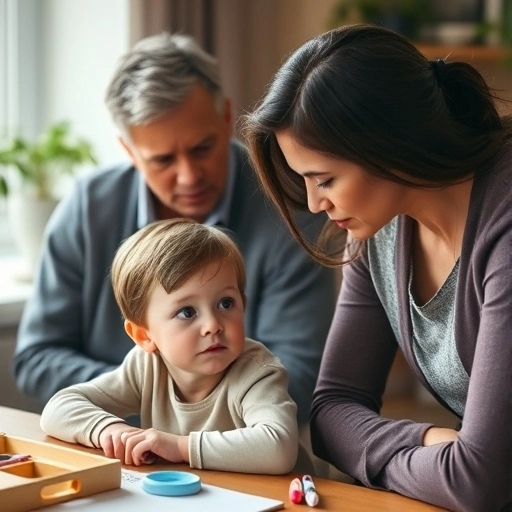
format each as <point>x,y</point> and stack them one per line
<point>188,172</point>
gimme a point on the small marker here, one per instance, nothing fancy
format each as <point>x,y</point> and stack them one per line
<point>8,458</point>
<point>310,494</point>
<point>295,491</point>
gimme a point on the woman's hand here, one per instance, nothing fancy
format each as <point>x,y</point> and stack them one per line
<point>436,435</point>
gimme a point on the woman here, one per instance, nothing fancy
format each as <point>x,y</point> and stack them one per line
<point>411,159</point>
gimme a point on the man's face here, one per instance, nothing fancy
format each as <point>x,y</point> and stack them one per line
<point>183,156</point>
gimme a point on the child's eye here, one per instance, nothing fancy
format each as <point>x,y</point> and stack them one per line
<point>325,184</point>
<point>186,313</point>
<point>226,303</point>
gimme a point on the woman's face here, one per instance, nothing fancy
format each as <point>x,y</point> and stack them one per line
<point>352,198</point>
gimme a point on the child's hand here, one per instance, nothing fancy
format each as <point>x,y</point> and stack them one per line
<point>111,440</point>
<point>139,443</point>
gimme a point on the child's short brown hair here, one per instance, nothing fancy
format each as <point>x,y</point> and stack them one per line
<point>168,252</point>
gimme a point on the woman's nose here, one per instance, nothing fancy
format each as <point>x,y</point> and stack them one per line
<point>317,203</point>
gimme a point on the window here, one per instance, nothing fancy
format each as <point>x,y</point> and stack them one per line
<point>6,90</point>
<point>19,41</point>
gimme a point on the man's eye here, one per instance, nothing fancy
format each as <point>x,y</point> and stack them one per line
<point>226,303</point>
<point>202,150</point>
<point>186,313</point>
<point>162,161</point>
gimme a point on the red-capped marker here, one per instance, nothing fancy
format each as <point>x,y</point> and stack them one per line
<point>295,492</point>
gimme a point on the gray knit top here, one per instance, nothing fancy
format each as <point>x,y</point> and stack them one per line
<point>434,343</point>
<point>432,324</point>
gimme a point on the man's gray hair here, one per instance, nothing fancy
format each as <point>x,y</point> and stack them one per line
<point>156,76</point>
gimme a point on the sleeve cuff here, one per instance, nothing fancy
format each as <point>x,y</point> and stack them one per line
<point>99,427</point>
<point>194,450</point>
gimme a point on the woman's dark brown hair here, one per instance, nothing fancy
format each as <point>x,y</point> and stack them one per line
<point>367,95</point>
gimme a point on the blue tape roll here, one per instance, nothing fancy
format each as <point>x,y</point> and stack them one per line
<point>171,483</point>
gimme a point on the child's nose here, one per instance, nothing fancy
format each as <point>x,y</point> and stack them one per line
<point>211,326</point>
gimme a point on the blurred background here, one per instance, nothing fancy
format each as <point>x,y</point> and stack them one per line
<point>58,55</point>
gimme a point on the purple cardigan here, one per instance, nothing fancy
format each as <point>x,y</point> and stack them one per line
<point>475,472</point>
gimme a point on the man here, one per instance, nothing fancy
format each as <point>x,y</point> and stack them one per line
<point>176,128</point>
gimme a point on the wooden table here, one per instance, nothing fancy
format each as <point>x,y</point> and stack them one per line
<point>334,496</point>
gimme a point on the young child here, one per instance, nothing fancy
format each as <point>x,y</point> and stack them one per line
<point>206,395</point>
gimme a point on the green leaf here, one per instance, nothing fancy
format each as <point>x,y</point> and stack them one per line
<point>54,153</point>
<point>4,188</point>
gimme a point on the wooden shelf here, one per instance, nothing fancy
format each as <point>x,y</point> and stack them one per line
<point>465,52</point>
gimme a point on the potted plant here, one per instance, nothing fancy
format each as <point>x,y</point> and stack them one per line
<point>36,167</point>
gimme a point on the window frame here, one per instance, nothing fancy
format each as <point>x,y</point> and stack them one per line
<point>20,83</point>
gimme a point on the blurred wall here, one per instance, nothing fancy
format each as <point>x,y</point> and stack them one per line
<point>253,38</point>
<point>81,43</point>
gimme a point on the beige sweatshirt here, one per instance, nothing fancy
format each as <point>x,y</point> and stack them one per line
<point>247,424</point>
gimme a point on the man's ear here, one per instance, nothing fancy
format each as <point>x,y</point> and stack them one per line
<point>128,149</point>
<point>140,336</point>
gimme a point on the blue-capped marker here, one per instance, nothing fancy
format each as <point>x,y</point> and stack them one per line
<point>310,494</point>
<point>171,483</point>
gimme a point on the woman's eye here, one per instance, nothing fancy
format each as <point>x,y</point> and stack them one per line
<point>186,313</point>
<point>226,303</point>
<point>324,184</point>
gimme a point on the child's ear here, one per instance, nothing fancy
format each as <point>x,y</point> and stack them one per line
<point>139,335</point>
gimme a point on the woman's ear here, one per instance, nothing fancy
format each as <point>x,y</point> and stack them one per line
<point>139,335</point>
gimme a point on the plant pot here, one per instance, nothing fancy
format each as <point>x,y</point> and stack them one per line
<point>27,217</point>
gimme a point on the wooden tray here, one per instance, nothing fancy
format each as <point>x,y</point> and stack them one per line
<point>53,474</point>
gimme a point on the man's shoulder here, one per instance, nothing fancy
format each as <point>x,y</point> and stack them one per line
<point>108,185</point>
<point>108,174</point>
<point>238,149</point>
<point>99,197</point>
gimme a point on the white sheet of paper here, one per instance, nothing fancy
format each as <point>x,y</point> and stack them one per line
<point>132,498</point>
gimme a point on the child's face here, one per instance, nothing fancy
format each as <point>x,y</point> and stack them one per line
<point>198,328</point>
